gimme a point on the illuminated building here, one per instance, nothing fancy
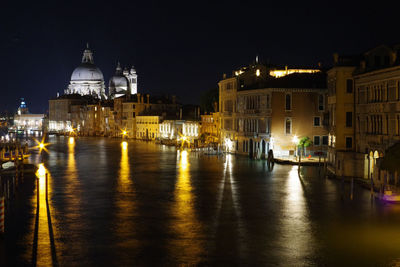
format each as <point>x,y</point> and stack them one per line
<point>364,97</point>
<point>27,122</point>
<point>377,114</point>
<point>147,127</point>
<point>186,123</point>
<point>261,112</point>
<point>210,127</point>
<point>123,82</point>
<point>127,108</point>
<point>87,78</point>
<point>342,160</point>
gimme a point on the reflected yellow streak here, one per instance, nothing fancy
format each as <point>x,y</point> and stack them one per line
<point>125,205</point>
<point>44,256</point>
<point>71,165</point>
<point>295,222</point>
<point>71,140</point>
<point>124,172</point>
<point>186,226</point>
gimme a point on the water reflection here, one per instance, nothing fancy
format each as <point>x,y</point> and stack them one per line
<point>229,226</point>
<point>187,243</point>
<point>125,207</point>
<point>44,252</point>
<point>296,233</point>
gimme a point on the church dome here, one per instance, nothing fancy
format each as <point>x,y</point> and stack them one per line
<point>118,83</point>
<point>87,72</point>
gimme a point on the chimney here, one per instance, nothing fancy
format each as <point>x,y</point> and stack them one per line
<point>224,76</point>
<point>141,99</point>
<point>173,99</point>
<point>180,113</point>
<point>198,112</point>
<point>148,98</point>
<point>138,97</point>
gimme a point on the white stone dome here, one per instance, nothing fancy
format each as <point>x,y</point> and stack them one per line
<point>119,81</point>
<point>87,72</point>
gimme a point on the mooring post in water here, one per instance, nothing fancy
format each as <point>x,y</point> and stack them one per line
<point>342,185</point>
<point>46,186</point>
<point>2,213</point>
<point>352,188</point>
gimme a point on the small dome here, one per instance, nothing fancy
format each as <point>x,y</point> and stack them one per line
<point>119,81</point>
<point>87,72</point>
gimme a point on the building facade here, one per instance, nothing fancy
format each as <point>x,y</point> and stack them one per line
<point>377,84</point>
<point>265,108</point>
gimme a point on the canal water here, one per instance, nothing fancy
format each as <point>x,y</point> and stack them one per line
<point>138,203</point>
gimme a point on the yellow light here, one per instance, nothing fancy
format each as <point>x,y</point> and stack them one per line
<point>41,172</point>
<point>295,139</point>
<point>71,140</point>
<point>41,145</point>
<point>282,73</point>
<point>124,145</point>
<point>184,138</point>
<point>258,72</point>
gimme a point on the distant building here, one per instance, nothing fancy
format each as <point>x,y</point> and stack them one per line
<point>210,127</point>
<point>147,127</point>
<point>27,122</point>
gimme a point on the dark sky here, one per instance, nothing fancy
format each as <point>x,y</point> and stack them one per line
<point>180,48</point>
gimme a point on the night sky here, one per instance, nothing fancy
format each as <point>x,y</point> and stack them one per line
<point>177,48</point>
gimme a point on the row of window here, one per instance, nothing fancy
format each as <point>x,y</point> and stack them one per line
<point>374,124</point>
<point>146,122</point>
<point>320,140</point>
<point>288,102</point>
<point>379,93</point>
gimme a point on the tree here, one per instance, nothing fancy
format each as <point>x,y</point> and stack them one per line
<point>304,143</point>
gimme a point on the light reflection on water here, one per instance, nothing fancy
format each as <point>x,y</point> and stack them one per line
<point>296,230</point>
<point>141,204</point>
<point>186,226</point>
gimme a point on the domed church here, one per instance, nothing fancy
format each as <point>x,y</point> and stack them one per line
<point>87,79</point>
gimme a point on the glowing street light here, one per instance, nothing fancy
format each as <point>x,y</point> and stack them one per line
<point>295,139</point>
<point>124,133</point>
<point>41,145</point>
